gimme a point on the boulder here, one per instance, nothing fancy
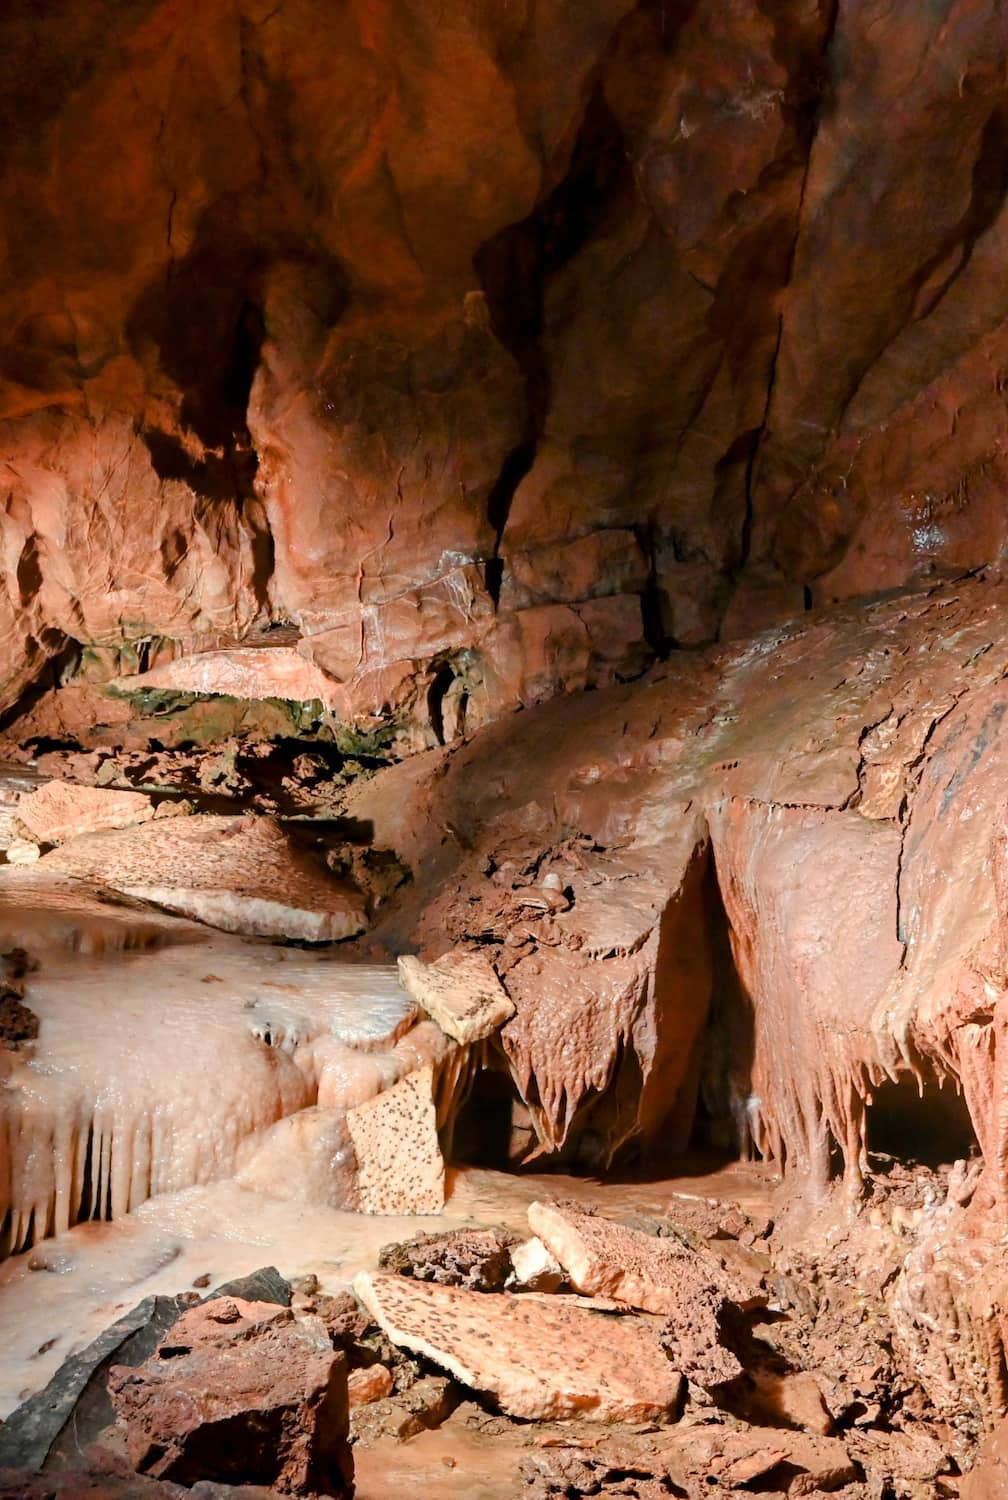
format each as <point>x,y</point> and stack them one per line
<point>538,1358</point>
<point>239,1393</point>
<point>237,873</point>
<point>460,991</point>
<point>247,672</point>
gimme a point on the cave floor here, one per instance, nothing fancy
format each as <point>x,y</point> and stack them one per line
<point>56,1298</point>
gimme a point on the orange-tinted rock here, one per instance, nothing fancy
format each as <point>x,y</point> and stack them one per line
<point>367,1385</point>
<point>58,811</point>
<point>666,371</point>
<point>238,1392</point>
<point>988,1480</point>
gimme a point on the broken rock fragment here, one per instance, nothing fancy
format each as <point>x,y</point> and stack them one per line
<point>607,1259</point>
<point>400,1169</point>
<point>60,810</point>
<point>478,1259</point>
<point>460,991</point>
<point>425,1405</point>
<point>660,1274</point>
<point>240,874</point>
<point>539,1358</point>
<point>238,1392</point>
<point>534,1269</point>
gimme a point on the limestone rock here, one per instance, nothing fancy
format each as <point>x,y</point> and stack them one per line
<point>239,1393</point>
<point>608,1259</point>
<point>59,811</point>
<point>538,1358</point>
<point>478,1259</point>
<point>240,874</point>
<point>460,991</point>
<point>400,1169</point>
<point>426,1404</point>
<point>534,1268</point>
<point>658,1274</point>
<point>248,672</point>
<point>22,852</point>
<point>306,1157</point>
<point>367,1385</point>
<point>97,1475</point>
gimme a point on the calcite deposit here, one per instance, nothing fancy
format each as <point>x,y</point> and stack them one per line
<point>503,671</point>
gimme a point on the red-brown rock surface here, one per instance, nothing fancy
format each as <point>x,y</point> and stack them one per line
<point>238,1392</point>
<point>483,346</point>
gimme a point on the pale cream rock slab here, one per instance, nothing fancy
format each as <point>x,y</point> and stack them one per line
<point>59,810</point>
<point>606,1259</point>
<point>460,991</point>
<point>540,1357</point>
<point>535,1269</point>
<point>400,1169</point>
<point>22,852</point>
<point>240,874</point>
<point>252,672</point>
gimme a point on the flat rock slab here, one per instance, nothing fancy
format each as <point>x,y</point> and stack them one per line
<point>239,1393</point>
<point>400,1169</point>
<point>606,1259</point>
<point>240,874</point>
<point>252,672</point>
<point>460,991</point>
<point>59,810</point>
<point>659,1274</point>
<point>540,1359</point>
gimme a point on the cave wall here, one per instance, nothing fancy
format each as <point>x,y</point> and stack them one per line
<point>517,340</point>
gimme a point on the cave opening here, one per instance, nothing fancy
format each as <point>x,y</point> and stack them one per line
<point>919,1119</point>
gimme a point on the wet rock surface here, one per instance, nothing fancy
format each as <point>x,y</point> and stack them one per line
<point>224,401</point>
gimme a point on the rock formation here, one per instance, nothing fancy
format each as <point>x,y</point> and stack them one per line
<point>503,664</point>
<point>249,380</point>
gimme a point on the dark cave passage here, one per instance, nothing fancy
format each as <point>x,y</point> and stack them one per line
<point>925,1123</point>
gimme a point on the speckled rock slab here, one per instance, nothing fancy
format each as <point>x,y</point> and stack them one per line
<point>400,1169</point>
<point>539,1358</point>
<point>240,874</point>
